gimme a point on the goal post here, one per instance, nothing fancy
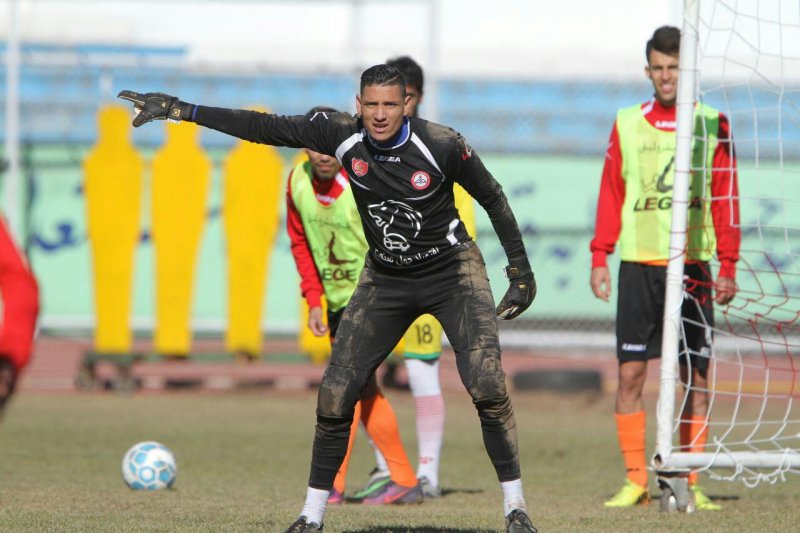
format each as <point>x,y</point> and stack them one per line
<point>742,58</point>
<point>684,132</point>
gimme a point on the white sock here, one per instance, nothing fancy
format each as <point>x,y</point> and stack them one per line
<point>423,378</point>
<point>512,496</point>
<point>380,460</point>
<point>316,502</point>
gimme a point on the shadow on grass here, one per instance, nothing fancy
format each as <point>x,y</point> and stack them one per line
<point>725,498</point>
<point>422,529</point>
<point>426,529</point>
<point>445,493</point>
<point>712,497</point>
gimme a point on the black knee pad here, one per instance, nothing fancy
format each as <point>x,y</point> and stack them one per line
<point>496,409</point>
<point>339,392</point>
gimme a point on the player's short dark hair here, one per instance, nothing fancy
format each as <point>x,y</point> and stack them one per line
<point>383,75</point>
<point>410,70</point>
<point>321,109</point>
<point>666,39</point>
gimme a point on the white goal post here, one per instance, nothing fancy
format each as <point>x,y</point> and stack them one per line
<point>742,58</point>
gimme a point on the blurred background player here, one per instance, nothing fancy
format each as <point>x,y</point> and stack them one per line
<point>328,246</point>
<point>423,340</point>
<point>635,200</point>
<point>20,295</point>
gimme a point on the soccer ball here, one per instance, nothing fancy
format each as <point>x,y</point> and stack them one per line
<point>149,465</point>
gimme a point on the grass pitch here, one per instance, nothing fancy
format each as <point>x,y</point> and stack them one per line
<point>243,461</point>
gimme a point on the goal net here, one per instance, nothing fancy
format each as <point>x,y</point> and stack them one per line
<point>743,59</point>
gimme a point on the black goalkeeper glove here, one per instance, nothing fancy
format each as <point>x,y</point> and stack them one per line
<point>156,106</point>
<point>520,293</point>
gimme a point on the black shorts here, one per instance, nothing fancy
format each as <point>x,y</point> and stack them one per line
<point>640,313</point>
<point>457,292</point>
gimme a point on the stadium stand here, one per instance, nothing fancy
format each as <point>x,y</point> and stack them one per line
<point>62,86</point>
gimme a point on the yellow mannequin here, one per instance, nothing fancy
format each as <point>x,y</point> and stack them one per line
<point>181,177</point>
<point>252,196</point>
<point>113,171</point>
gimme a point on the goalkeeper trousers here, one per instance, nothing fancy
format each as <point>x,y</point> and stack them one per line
<point>381,309</point>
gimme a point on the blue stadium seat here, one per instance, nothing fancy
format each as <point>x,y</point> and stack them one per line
<point>501,116</point>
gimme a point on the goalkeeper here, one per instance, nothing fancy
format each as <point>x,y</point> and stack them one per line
<point>634,208</point>
<point>423,340</point>
<point>420,260</point>
<point>328,247</point>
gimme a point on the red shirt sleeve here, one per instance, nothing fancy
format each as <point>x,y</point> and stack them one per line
<point>310,284</point>
<point>725,201</point>
<point>609,204</point>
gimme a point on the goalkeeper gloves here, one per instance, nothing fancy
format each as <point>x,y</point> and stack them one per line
<point>520,293</point>
<point>156,106</point>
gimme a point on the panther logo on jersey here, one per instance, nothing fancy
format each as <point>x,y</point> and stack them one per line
<point>360,167</point>
<point>396,219</point>
<point>420,180</point>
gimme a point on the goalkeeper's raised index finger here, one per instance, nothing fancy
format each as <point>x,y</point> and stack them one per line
<point>132,96</point>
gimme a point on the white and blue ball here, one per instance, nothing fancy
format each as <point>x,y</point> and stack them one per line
<point>149,465</point>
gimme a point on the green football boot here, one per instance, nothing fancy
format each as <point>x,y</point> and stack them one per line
<point>629,495</point>
<point>703,502</point>
<point>378,479</point>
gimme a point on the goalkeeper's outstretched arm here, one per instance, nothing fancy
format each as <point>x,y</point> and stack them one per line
<point>299,131</point>
<point>319,135</point>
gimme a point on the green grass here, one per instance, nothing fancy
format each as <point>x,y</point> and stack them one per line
<point>243,466</point>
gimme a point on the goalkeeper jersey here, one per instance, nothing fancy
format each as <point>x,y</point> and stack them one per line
<point>404,192</point>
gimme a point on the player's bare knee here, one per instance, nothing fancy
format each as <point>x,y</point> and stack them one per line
<point>630,391</point>
<point>632,374</point>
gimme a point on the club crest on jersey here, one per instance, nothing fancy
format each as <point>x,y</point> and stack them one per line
<point>467,150</point>
<point>360,167</point>
<point>420,180</point>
